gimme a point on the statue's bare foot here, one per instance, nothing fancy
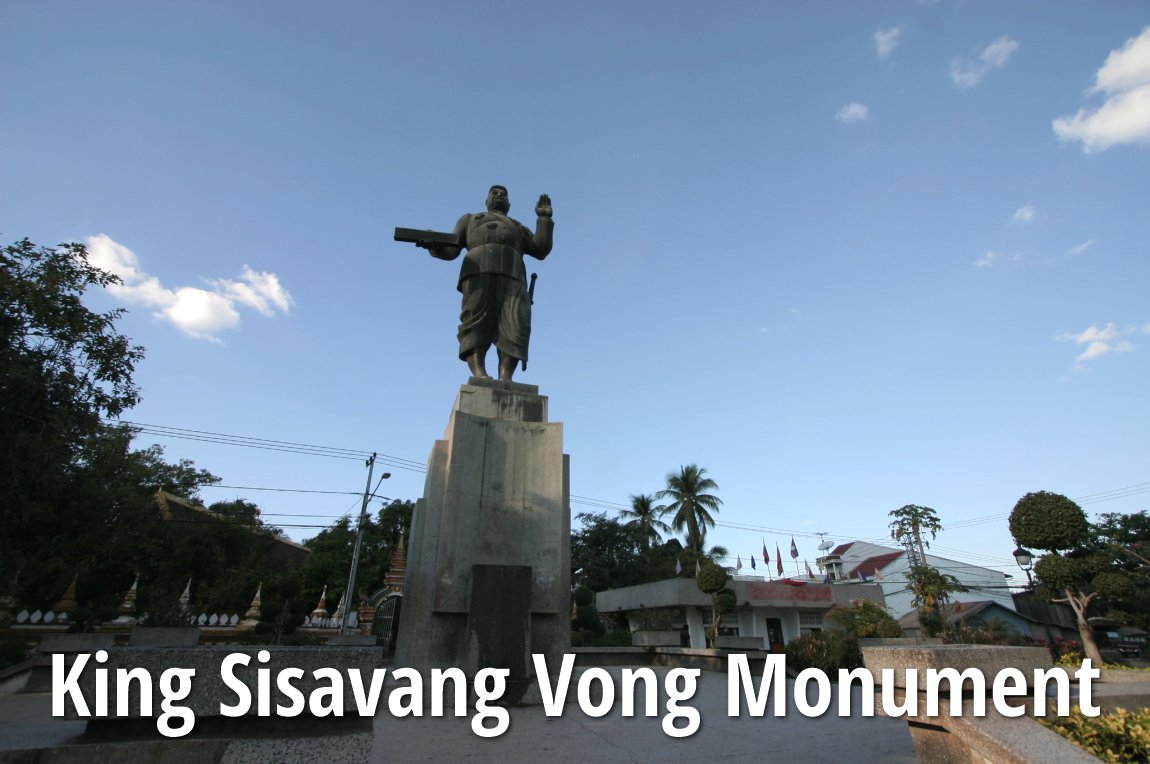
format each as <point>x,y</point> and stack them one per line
<point>507,366</point>
<point>476,365</point>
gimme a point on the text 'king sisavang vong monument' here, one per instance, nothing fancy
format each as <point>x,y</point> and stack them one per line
<point>489,565</point>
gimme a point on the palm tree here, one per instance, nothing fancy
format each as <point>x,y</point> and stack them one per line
<point>691,502</point>
<point>645,519</point>
<point>717,554</point>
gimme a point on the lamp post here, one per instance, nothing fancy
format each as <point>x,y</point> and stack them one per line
<point>1025,561</point>
<point>350,592</point>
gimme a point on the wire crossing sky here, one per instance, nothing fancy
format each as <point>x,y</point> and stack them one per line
<point>846,257</point>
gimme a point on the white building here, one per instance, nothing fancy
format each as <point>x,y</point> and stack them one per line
<point>887,566</point>
<point>768,614</point>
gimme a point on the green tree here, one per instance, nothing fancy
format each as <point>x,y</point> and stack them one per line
<point>645,520</point>
<point>75,498</point>
<point>1127,536</point>
<point>107,528</point>
<point>717,554</point>
<point>712,579</point>
<point>331,552</point>
<point>1074,571</point>
<point>605,554</point>
<point>63,368</point>
<point>837,646</point>
<point>930,587</point>
<point>908,524</point>
<point>691,503</point>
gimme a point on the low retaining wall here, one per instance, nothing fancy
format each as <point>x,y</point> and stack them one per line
<point>989,739</point>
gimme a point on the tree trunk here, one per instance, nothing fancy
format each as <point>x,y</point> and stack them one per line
<point>1089,647</point>
<point>693,532</point>
<point>918,541</point>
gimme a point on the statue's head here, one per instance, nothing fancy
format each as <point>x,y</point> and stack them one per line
<point>497,200</point>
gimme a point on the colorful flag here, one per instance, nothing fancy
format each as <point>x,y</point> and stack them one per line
<point>752,562</point>
<point>794,549</point>
<point>738,563</point>
<point>778,559</point>
<point>810,573</point>
<point>862,577</point>
<point>678,567</point>
<point>766,557</point>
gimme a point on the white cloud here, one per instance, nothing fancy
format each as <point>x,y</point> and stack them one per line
<point>198,313</point>
<point>1025,214</point>
<point>1093,334</point>
<point>261,291</point>
<point>966,72</point>
<point>988,259</point>
<point>1078,249</point>
<point>201,314</point>
<point>1127,68</point>
<point>998,52</point>
<point>1098,342</point>
<point>853,112</point>
<point>886,40</point>
<point>1124,117</point>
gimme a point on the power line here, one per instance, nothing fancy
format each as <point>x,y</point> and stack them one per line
<point>267,444</point>
<point>1121,493</point>
<point>280,490</point>
<point>396,462</point>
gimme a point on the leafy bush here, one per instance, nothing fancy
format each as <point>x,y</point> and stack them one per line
<point>610,639</point>
<point>838,646</point>
<point>1070,659</point>
<point>589,638</point>
<point>1120,737</point>
<point>868,619</point>
<point>658,618</point>
<point>827,651</point>
<point>587,619</point>
<point>12,651</point>
<point>995,631</point>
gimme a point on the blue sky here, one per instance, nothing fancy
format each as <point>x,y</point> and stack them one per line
<point>846,256</point>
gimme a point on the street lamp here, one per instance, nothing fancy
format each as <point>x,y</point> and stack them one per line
<point>1025,561</point>
<point>349,592</point>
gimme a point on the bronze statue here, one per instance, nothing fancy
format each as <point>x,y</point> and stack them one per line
<point>496,302</point>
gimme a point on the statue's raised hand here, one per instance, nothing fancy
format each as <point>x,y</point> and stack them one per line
<point>543,206</point>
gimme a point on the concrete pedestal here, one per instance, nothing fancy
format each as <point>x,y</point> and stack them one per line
<point>489,561</point>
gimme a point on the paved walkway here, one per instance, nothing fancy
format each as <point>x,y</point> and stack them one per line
<point>576,737</point>
<point>26,722</point>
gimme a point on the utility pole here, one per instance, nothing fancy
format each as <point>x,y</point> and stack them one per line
<point>350,592</point>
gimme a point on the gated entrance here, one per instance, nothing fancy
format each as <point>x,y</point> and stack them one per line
<point>385,626</point>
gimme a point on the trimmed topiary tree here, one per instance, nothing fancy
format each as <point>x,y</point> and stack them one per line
<point>1072,572</point>
<point>1050,521</point>
<point>712,579</point>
